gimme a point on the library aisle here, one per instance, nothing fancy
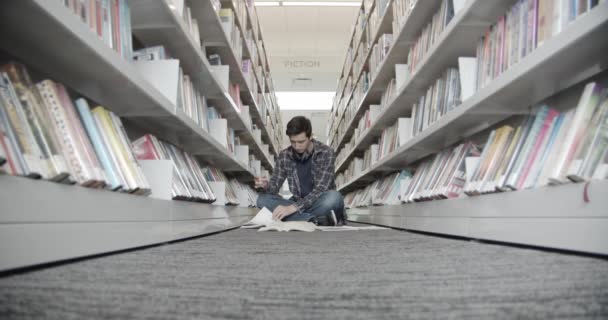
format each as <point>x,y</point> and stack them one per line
<point>136,136</point>
<point>245,274</point>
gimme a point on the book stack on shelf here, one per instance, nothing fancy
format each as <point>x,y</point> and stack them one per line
<point>140,74</point>
<point>463,76</point>
<point>48,135</point>
<point>187,180</point>
<point>110,20</point>
<point>548,148</point>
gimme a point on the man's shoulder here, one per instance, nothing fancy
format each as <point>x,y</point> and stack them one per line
<point>322,147</point>
<point>284,154</point>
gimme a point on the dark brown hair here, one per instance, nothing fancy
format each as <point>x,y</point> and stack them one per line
<point>298,125</point>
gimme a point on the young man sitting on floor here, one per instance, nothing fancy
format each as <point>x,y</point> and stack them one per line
<point>308,165</point>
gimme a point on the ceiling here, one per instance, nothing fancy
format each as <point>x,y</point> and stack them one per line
<point>306,45</point>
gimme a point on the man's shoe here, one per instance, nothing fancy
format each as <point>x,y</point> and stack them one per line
<point>333,221</point>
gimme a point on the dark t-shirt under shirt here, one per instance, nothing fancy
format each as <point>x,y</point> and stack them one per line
<point>304,168</point>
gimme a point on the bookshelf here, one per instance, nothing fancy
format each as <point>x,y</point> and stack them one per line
<point>154,23</point>
<point>567,55</point>
<point>118,85</point>
<point>568,59</point>
<point>250,22</point>
<point>54,41</point>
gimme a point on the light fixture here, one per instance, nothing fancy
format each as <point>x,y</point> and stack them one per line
<point>267,4</point>
<point>305,100</point>
<point>307,4</point>
<point>320,4</point>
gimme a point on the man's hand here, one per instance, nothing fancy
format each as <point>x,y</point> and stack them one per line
<point>282,212</point>
<point>261,182</point>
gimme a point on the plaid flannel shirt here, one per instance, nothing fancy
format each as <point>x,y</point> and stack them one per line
<point>323,176</point>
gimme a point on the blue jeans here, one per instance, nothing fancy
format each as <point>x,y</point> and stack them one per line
<point>318,212</point>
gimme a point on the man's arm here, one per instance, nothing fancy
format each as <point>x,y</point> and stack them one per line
<point>278,176</point>
<point>322,182</point>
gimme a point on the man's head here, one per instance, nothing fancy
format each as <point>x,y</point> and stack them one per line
<point>299,131</point>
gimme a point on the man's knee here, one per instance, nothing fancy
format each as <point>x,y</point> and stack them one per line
<point>332,200</point>
<point>263,200</point>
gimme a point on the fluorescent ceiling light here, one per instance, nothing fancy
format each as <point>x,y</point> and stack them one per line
<point>320,4</point>
<point>307,3</point>
<point>267,4</point>
<point>309,100</point>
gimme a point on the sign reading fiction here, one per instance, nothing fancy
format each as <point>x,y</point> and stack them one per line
<point>302,64</point>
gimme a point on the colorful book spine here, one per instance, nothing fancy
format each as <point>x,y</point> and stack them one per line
<point>98,143</point>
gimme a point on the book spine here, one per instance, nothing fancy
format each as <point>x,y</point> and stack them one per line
<point>97,142</point>
<point>106,121</point>
<point>135,168</point>
<point>74,157</point>
<point>538,146</point>
<point>80,137</point>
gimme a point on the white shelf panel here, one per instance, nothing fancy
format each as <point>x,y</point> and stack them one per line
<point>107,79</point>
<point>45,230</point>
<point>553,217</point>
<point>572,56</point>
<point>459,38</point>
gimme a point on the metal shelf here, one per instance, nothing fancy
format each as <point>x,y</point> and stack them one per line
<point>75,56</point>
<point>552,217</point>
<point>67,222</point>
<point>575,54</point>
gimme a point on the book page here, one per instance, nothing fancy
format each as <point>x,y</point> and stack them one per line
<point>262,218</point>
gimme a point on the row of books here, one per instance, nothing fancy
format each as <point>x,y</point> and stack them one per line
<point>191,181</point>
<point>226,16</point>
<point>379,53</point>
<point>551,147</point>
<point>401,12</point>
<point>110,20</point>
<point>357,60</point>
<point>387,97</point>
<point>430,34</point>
<point>441,177</point>
<point>189,98</point>
<point>377,14</point>
<point>248,65</point>
<point>524,27</point>
<point>188,181</point>
<point>185,13</point>
<point>242,10</point>
<point>384,191</point>
<point>440,98</point>
<point>360,60</point>
<point>46,134</point>
<point>390,140</point>
<point>548,148</point>
<point>195,105</point>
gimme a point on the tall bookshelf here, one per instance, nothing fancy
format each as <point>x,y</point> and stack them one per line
<point>556,216</point>
<point>66,222</point>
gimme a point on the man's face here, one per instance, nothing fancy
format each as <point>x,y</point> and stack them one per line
<point>300,142</point>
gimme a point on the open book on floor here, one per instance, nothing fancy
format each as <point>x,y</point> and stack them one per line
<point>263,220</point>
